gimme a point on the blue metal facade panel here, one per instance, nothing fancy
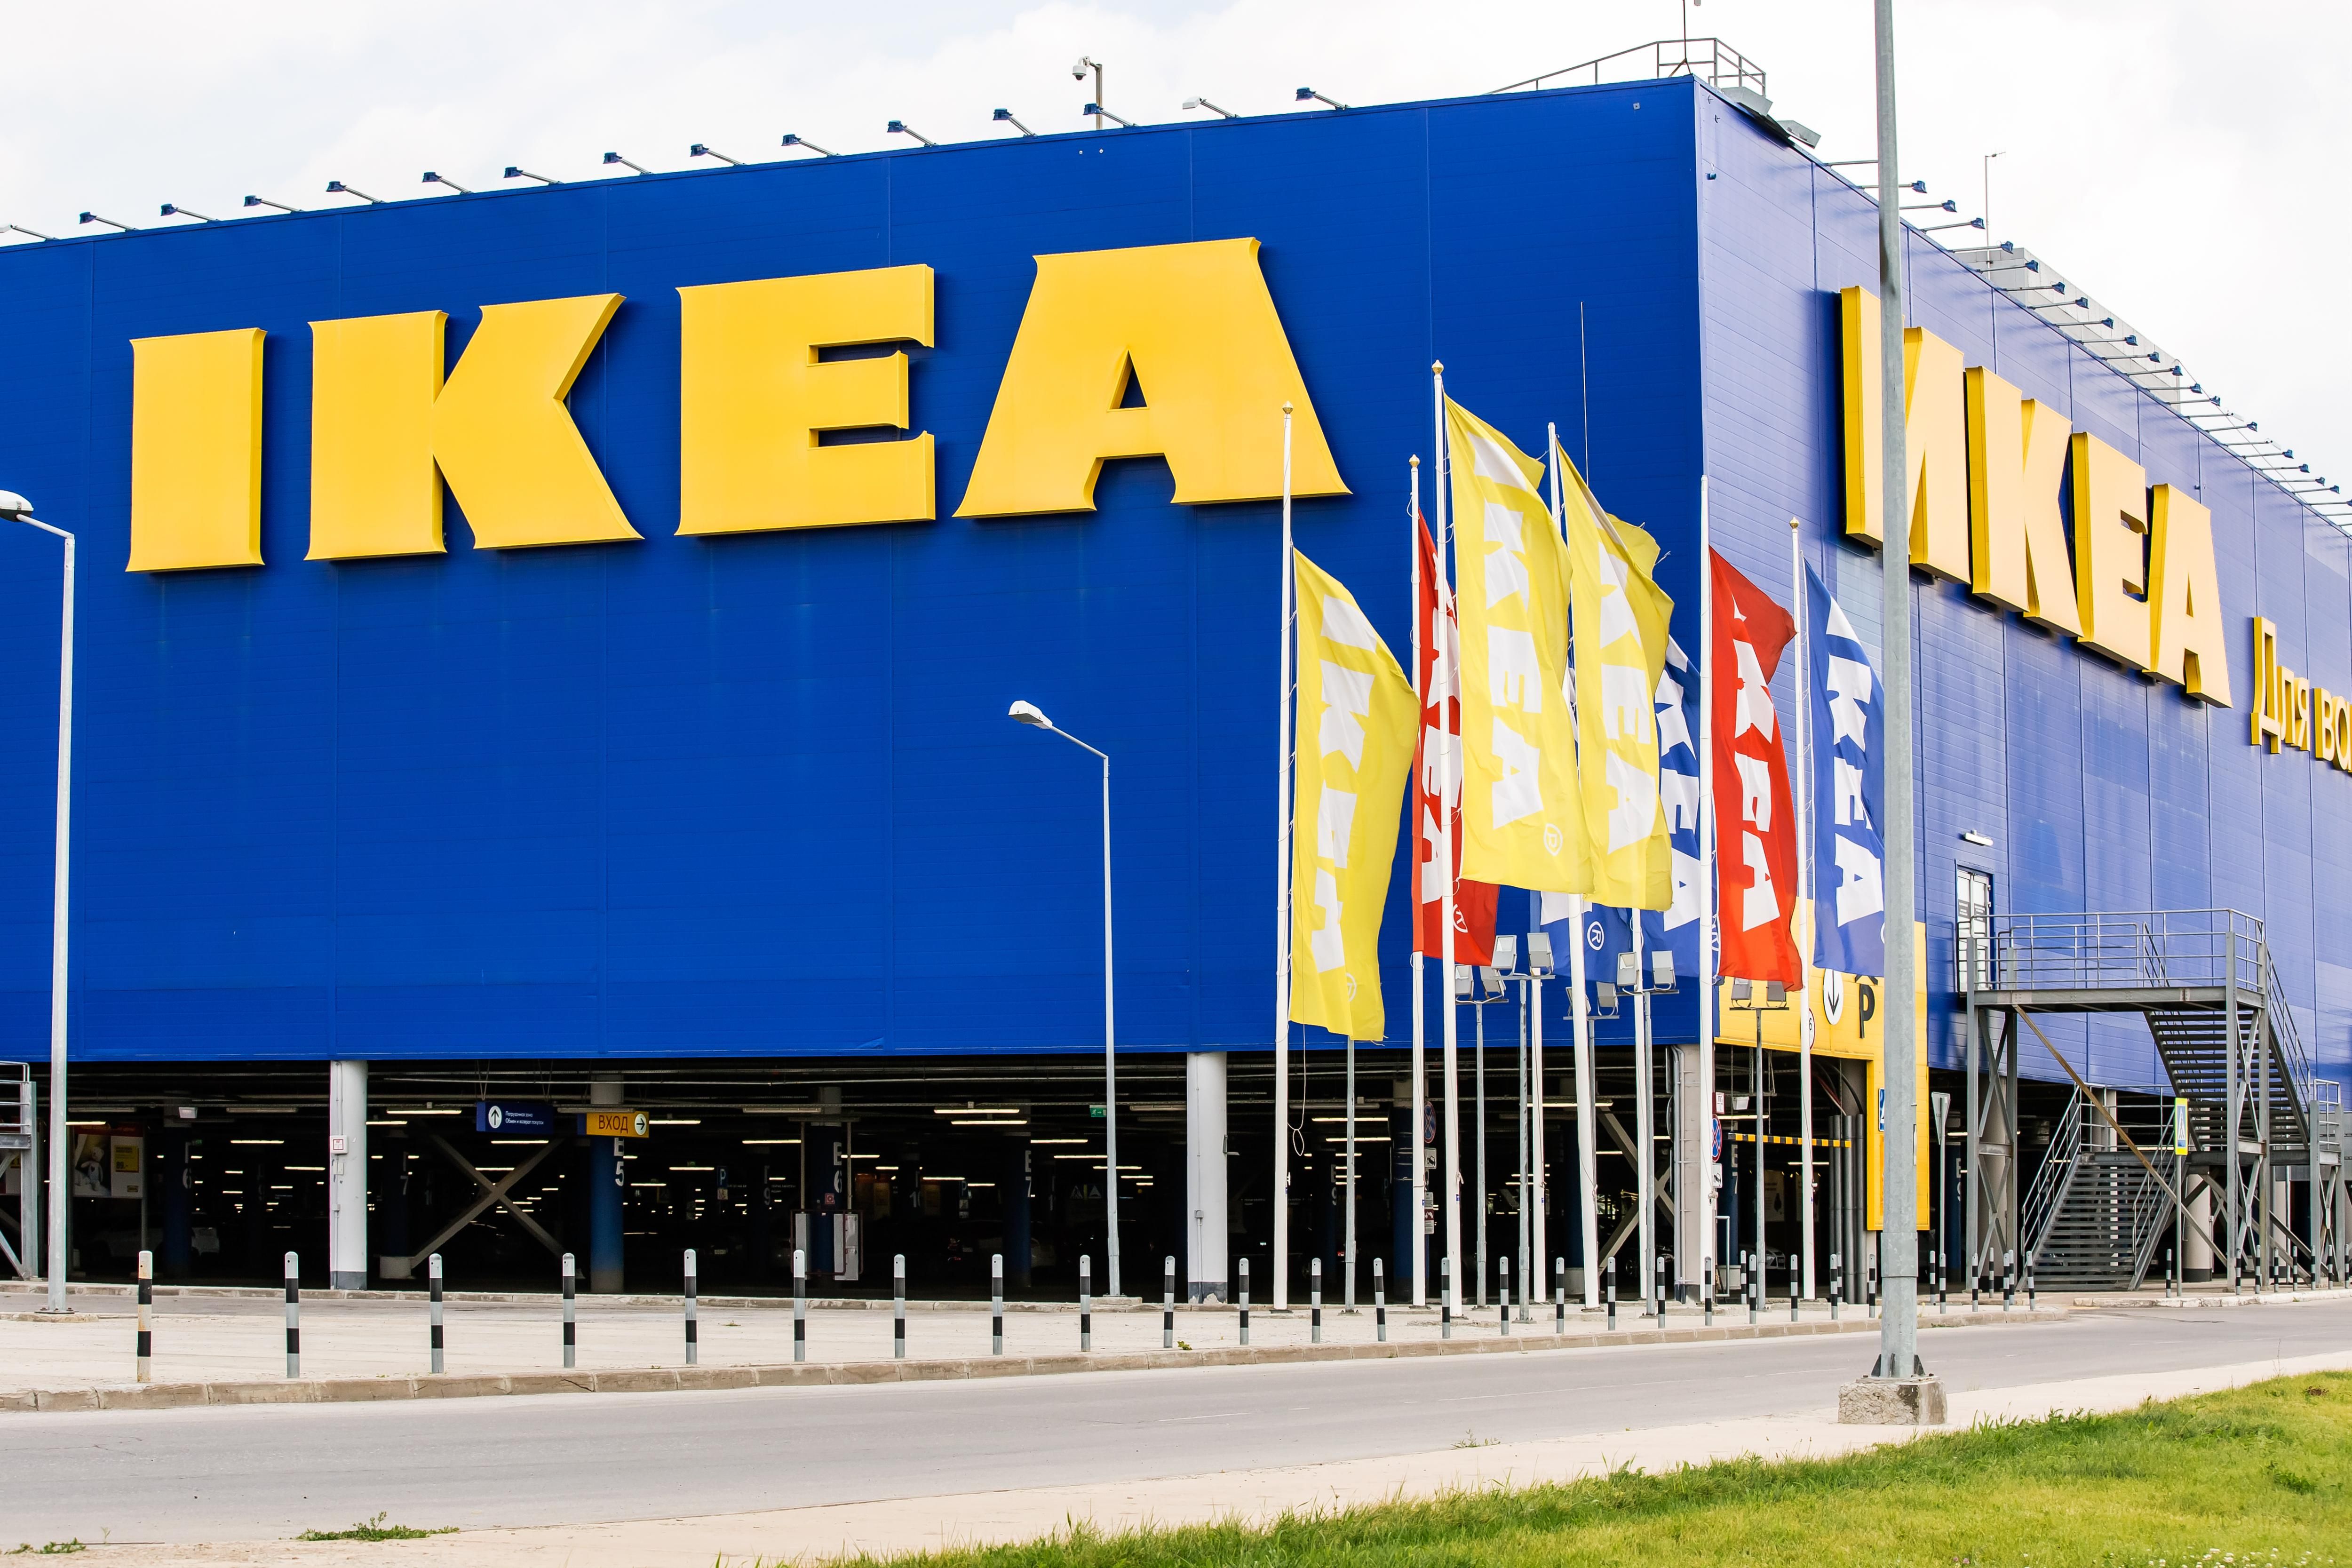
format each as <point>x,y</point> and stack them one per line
<point>757,795</point>
<point>2100,788</point>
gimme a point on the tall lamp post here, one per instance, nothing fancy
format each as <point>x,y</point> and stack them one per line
<point>15,508</point>
<point>1029,713</point>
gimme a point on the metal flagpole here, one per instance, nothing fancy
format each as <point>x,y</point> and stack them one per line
<point>1804,794</point>
<point>1898,1331</point>
<point>1419,1265</point>
<point>1282,917</point>
<point>1709,931</point>
<point>1526,1174</point>
<point>1580,1008</point>
<point>1645,1126</point>
<point>1350,1270</point>
<point>1448,787</point>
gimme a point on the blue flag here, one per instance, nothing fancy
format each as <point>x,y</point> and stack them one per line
<point>1849,745</point>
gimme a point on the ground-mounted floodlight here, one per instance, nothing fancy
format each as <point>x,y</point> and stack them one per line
<point>900,128</point>
<point>170,210</point>
<point>616,158</point>
<point>337,189</point>
<point>433,177</point>
<point>1004,116</point>
<point>700,151</point>
<point>1192,104</point>
<point>516,171</point>
<point>265,202</point>
<point>791,140</point>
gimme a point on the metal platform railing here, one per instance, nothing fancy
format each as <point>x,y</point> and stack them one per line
<point>2151,950</point>
<point>1711,61</point>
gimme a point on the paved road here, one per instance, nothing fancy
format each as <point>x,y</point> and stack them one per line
<point>271,1472</point>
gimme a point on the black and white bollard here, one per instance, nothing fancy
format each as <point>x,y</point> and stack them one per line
<point>1314,1301</point>
<point>1379,1302</point>
<point>996,1303</point>
<point>1943,1306</point>
<point>1168,1305</point>
<point>1609,1277</point>
<point>1446,1297</point>
<point>1503,1291</point>
<point>898,1307</point>
<point>693,1349</point>
<point>1870,1281</point>
<point>2008,1281</point>
<point>146,1315</point>
<point>1560,1295</point>
<point>1658,1289</point>
<point>1837,1286</point>
<point>800,1304</point>
<point>433,1307</point>
<point>1087,1301</point>
<point>2028,1282</point>
<point>1747,1284</point>
<point>571,1335</point>
<point>1706,1293</point>
<point>1244,1300</point>
<point>1796,1288</point>
<point>293,1316</point>
<point>1976,1283</point>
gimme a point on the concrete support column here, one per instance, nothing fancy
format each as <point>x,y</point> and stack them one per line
<point>1207,1271</point>
<point>2196,1251</point>
<point>1694,1101</point>
<point>347,1176</point>
<point>607,1173</point>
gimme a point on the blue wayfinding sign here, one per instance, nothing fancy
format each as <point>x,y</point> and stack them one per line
<point>513,1115</point>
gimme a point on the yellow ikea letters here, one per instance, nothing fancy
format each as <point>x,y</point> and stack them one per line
<point>382,418</point>
<point>753,399</point>
<point>2186,609</point>
<point>2110,551</point>
<point>2016,464</point>
<point>1192,329</point>
<point>1935,439</point>
<point>195,451</point>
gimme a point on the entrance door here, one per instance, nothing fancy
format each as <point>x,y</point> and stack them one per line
<point>1972,926</point>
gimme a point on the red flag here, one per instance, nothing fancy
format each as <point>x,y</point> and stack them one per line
<point>1441,725</point>
<point>1755,817</point>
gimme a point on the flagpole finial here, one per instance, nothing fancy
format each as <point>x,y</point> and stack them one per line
<point>1437,367</point>
<point>1285,408</point>
<point>1794,524</point>
<point>1416,459</point>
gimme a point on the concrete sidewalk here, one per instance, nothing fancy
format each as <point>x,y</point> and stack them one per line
<point>372,1351</point>
<point>1253,1496</point>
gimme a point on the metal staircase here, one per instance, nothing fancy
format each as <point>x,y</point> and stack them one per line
<point>2111,1185</point>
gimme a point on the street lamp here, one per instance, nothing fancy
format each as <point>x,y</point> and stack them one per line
<point>1031,714</point>
<point>15,508</point>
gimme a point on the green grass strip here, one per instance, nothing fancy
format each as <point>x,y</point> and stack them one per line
<point>2256,1478</point>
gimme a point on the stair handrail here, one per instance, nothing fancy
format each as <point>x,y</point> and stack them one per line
<point>2047,1194</point>
<point>2294,1061</point>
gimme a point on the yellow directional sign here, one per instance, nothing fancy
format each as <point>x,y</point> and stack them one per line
<point>613,1123</point>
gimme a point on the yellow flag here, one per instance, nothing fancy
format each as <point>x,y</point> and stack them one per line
<point>1520,823</point>
<point>1356,722</point>
<point>1620,619</point>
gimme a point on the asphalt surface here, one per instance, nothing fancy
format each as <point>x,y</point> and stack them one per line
<point>214,1473</point>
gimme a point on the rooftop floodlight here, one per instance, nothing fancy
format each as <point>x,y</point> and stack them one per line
<point>1101,114</point>
<point>1025,712</point>
<point>435,178</point>
<point>1939,227</point>
<point>2079,302</point>
<point>900,128</point>
<point>1004,116</point>
<point>20,228</point>
<point>170,210</point>
<point>791,140</point>
<point>700,151</point>
<point>93,217</point>
<point>516,171</point>
<point>633,168</point>
<point>337,189</point>
<point>265,202</point>
<point>1948,206</point>
<point>1918,187</point>
<point>1307,94</point>
<point>13,506</point>
<point>1192,104</point>
<point>2014,267</point>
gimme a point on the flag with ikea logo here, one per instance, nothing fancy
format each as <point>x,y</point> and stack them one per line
<point>1520,824</point>
<point>1621,616</point>
<point>1357,717</point>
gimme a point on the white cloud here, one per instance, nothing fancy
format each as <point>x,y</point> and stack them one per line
<point>2179,160</point>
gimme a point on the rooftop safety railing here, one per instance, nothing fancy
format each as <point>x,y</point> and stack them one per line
<point>2155,949</point>
<point>1711,61</point>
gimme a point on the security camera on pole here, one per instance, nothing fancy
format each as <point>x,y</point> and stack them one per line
<point>1898,1391</point>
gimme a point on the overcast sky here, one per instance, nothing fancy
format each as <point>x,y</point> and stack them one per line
<point>2179,160</point>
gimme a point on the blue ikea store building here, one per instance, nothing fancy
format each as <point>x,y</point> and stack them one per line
<point>730,827</point>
